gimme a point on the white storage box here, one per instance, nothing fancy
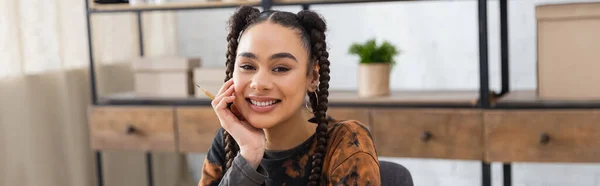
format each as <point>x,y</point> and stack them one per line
<point>164,76</point>
<point>210,79</point>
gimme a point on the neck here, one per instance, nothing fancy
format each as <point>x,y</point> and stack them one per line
<point>290,133</point>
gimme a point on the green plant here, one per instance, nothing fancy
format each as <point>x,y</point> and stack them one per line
<point>370,52</point>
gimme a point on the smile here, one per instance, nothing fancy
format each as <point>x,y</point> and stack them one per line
<point>262,105</point>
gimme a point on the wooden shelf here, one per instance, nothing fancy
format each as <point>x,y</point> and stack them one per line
<point>124,7</point>
<point>194,4</point>
<point>407,98</point>
<point>529,99</point>
<point>132,98</point>
<point>299,2</point>
<point>336,98</point>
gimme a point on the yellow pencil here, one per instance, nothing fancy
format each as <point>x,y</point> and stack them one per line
<point>211,96</point>
<point>230,105</point>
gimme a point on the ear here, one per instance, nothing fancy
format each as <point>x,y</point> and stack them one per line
<point>313,82</point>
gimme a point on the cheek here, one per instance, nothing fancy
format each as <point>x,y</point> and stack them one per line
<point>238,84</point>
<point>294,88</point>
<point>238,89</point>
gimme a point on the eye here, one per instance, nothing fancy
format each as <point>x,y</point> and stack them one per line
<point>247,67</point>
<point>280,69</point>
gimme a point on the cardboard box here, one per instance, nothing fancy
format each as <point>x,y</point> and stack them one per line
<point>164,76</point>
<point>210,79</point>
<point>568,38</point>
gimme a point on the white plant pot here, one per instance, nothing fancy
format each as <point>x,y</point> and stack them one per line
<point>374,79</point>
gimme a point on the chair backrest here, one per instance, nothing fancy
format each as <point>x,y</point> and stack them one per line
<point>393,174</point>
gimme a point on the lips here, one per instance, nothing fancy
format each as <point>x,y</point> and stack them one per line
<point>262,104</point>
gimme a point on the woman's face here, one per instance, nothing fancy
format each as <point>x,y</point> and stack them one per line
<point>269,76</point>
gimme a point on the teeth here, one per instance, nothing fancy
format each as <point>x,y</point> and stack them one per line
<point>262,104</point>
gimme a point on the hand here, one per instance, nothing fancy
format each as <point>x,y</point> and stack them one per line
<point>250,140</point>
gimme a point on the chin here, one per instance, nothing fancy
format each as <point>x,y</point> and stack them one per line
<point>262,122</point>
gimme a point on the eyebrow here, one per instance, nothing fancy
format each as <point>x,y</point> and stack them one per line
<point>248,55</point>
<point>283,55</point>
<point>274,56</point>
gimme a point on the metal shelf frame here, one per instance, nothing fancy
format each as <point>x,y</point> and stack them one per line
<point>485,95</point>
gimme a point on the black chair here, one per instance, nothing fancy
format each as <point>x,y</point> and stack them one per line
<point>393,174</point>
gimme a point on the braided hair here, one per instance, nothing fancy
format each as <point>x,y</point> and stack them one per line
<point>312,34</point>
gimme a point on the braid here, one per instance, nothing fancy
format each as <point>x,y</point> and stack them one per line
<point>240,20</point>
<point>315,26</point>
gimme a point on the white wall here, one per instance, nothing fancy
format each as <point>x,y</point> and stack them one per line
<point>440,48</point>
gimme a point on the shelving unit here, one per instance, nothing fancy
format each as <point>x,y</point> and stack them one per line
<point>472,106</point>
<point>418,98</point>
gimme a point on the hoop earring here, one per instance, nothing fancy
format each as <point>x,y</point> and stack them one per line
<point>306,106</point>
<point>317,96</point>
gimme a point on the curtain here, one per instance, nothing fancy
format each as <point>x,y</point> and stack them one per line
<point>45,94</point>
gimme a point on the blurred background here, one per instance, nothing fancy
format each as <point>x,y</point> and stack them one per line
<point>45,86</point>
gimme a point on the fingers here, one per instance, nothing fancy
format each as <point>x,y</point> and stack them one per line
<point>224,113</point>
<point>232,123</point>
<point>223,103</point>
<point>228,92</point>
<point>225,86</point>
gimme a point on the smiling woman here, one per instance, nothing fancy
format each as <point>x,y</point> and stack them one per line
<point>275,60</point>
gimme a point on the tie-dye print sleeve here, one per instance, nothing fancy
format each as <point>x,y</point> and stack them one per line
<point>240,173</point>
<point>354,160</point>
<point>359,169</point>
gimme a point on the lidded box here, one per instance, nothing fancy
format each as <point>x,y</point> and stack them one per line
<point>165,76</point>
<point>568,43</point>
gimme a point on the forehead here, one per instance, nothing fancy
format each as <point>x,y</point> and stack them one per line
<point>265,39</point>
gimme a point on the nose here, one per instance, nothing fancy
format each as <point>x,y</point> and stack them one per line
<point>261,81</point>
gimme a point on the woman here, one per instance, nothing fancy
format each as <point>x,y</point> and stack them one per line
<point>274,61</point>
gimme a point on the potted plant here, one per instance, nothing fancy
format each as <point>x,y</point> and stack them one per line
<point>376,63</point>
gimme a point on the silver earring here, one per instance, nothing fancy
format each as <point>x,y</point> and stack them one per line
<point>306,100</point>
<point>306,105</point>
<point>316,96</point>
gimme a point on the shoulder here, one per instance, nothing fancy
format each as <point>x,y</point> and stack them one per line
<point>351,155</point>
<point>349,138</point>
<point>216,151</point>
<point>214,161</point>
<point>349,130</point>
<point>219,139</point>
<point>340,129</point>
